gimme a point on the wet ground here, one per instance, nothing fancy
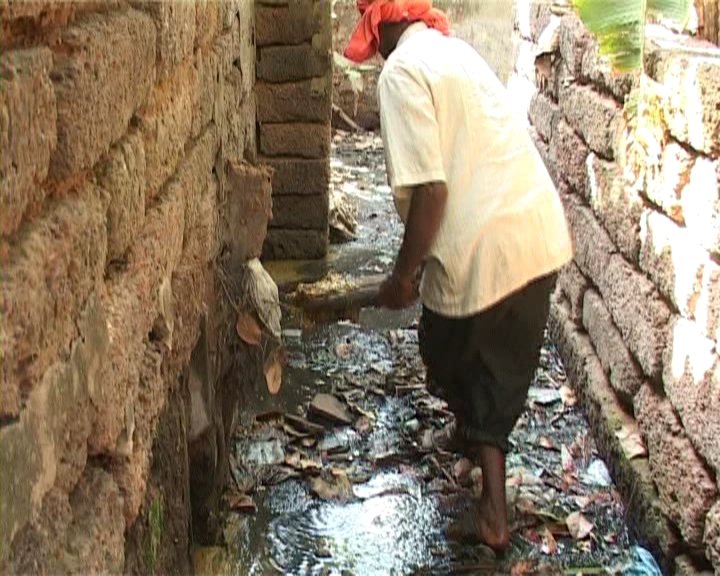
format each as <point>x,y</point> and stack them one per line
<point>372,495</point>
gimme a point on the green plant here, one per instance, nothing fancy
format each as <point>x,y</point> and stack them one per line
<point>619,25</point>
<point>156,525</point>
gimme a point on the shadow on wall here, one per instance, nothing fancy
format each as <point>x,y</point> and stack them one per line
<point>486,25</point>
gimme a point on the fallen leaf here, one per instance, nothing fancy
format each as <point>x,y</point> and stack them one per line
<point>583,501</point>
<point>362,425</point>
<point>248,328</point>
<point>242,503</point>
<point>308,442</point>
<point>549,544</point>
<point>523,568</point>
<point>461,470</point>
<point>631,442</point>
<point>579,526</point>
<point>343,349</point>
<point>335,487</point>
<point>568,396</point>
<point>568,465</point>
<point>546,443</point>
<point>330,408</point>
<point>273,375</point>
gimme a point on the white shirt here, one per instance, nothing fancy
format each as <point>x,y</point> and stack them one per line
<point>446,117</point>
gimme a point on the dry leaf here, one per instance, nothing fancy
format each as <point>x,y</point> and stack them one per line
<point>568,465</point>
<point>523,568</point>
<point>343,349</point>
<point>242,503</point>
<point>568,395</point>
<point>273,375</point>
<point>549,544</point>
<point>546,443</point>
<point>362,425</point>
<point>248,328</point>
<point>579,526</point>
<point>336,487</point>
<point>631,442</point>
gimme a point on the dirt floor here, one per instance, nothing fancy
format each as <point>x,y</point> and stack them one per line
<point>336,474</point>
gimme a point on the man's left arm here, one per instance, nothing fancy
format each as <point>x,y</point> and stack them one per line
<point>427,206</point>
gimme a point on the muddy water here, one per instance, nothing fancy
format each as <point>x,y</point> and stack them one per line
<point>392,495</point>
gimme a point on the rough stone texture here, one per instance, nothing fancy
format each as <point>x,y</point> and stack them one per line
<point>101,77</point>
<point>165,124</point>
<point>27,132</point>
<point>291,63</point>
<point>50,274</point>
<point>712,535</point>
<point>674,263</point>
<point>306,101</point>
<point>568,155</point>
<point>687,566</point>
<point>207,74</point>
<point>624,374</point>
<point>46,446</point>
<point>304,211</point>
<point>594,116</point>
<point>666,184</point>
<point>573,285</point>
<point>207,21</point>
<point>121,175</point>
<point>691,377</point>
<point>298,176</point>
<point>597,70</point>
<point>636,307</point>
<point>633,477</point>
<point>244,224</point>
<point>687,490</point>
<point>690,73</point>
<point>292,244</point>
<point>293,23</point>
<point>302,140</point>
<point>175,31</point>
<point>575,40</point>
<point>544,115</point>
<point>618,205</point>
<point>701,203</point>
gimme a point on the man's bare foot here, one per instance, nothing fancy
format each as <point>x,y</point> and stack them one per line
<point>492,526</point>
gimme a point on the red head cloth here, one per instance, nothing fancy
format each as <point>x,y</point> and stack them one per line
<point>364,41</point>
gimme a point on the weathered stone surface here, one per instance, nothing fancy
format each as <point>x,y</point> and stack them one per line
<point>691,377</point>
<point>49,275</point>
<point>101,77</point>
<point>674,263</point>
<point>623,373</point>
<point>636,307</point>
<point>596,69</point>
<point>544,115</point>
<point>175,31</point>
<point>306,101</point>
<point>712,535</point>
<point>296,176</point>
<point>165,125</point>
<point>665,185</point>
<point>301,212</point>
<point>27,131</point>
<point>687,566</point>
<point>303,140</point>
<point>295,244</point>
<point>593,115</point>
<point>633,477</point>
<point>687,489</point>
<point>46,447</point>
<point>236,118</point>
<point>618,205</point>
<point>573,285</point>
<point>207,21</point>
<point>701,203</point>
<point>292,23</point>
<point>132,301</point>
<point>289,63</point>
<point>690,73</point>
<point>575,40</point>
<point>121,174</point>
<point>249,207</point>
<point>208,74</point>
<point>568,154</point>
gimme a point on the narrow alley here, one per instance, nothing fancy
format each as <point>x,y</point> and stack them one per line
<point>354,485</point>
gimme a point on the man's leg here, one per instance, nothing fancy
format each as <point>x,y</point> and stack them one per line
<point>492,521</point>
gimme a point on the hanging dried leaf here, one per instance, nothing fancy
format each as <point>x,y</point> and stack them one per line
<point>273,375</point>
<point>248,328</point>
<point>631,442</point>
<point>579,526</point>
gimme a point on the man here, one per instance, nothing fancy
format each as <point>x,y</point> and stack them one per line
<point>483,221</point>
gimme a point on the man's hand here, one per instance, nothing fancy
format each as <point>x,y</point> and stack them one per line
<point>397,293</point>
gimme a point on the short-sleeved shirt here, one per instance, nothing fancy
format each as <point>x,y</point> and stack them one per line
<point>445,117</point>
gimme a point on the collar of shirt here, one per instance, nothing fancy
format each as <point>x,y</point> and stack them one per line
<point>414,28</point>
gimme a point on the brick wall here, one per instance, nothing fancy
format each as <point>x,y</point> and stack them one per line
<point>125,127</point>
<point>294,99</point>
<point>636,316</point>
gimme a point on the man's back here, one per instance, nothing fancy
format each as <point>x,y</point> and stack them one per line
<point>447,117</point>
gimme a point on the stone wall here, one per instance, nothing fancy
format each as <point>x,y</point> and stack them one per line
<point>294,98</point>
<point>124,190</point>
<point>636,316</point>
